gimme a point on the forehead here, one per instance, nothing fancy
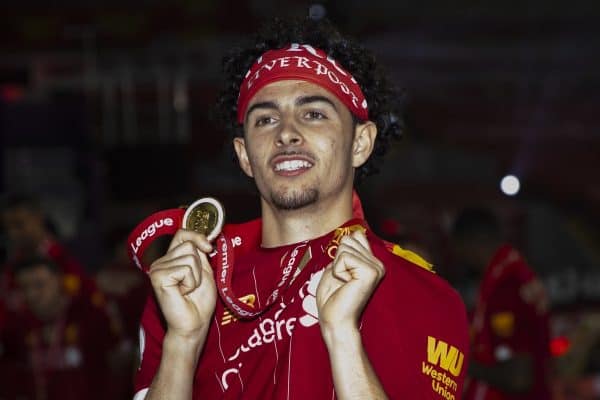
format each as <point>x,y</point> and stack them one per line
<point>289,90</point>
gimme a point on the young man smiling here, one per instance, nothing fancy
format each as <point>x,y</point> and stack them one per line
<point>306,302</point>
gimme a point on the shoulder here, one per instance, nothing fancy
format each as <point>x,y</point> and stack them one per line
<point>509,264</point>
<point>406,269</point>
<point>411,289</point>
<point>517,283</point>
<point>417,317</point>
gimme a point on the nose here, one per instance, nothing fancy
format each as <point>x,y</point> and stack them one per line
<point>289,135</point>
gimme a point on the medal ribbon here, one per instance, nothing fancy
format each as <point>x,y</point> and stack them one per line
<point>162,223</point>
<point>225,261</point>
<point>225,264</point>
<point>167,222</point>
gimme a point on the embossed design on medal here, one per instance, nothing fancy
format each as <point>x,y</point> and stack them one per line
<point>205,216</point>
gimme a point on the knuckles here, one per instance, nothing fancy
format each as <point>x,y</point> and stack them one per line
<point>185,235</point>
<point>189,262</point>
<point>188,247</point>
<point>156,277</point>
<point>344,256</point>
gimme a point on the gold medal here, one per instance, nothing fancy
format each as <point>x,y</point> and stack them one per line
<point>205,216</point>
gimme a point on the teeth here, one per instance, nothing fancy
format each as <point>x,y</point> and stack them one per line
<point>292,165</point>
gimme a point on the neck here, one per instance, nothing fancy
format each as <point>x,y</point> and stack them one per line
<point>282,227</point>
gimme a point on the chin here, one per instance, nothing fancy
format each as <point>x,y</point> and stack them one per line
<point>294,199</point>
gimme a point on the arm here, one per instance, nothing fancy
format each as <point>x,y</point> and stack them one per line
<point>345,288</point>
<point>186,292</point>
<point>514,375</point>
<point>175,376</point>
<point>353,374</point>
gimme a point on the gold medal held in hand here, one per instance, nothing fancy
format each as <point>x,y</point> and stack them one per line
<point>205,216</point>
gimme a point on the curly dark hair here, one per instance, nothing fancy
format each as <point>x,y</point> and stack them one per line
<point>382,97</point>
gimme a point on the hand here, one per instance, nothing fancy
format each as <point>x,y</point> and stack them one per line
<point>348,283</point>
<point>184,285</point>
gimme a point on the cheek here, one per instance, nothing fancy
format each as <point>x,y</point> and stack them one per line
<point>256,153</point>
<point>338,154</point>
<point>257,164</point>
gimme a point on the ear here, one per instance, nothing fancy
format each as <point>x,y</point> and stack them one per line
<point>364,142</point>
<point>240,149</point>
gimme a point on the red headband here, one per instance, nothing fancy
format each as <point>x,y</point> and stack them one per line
<point>302,62</point>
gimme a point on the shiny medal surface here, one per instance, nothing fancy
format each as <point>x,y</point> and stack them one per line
<point>205,216</point>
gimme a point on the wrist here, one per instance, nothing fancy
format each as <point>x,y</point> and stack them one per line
<point>183,345</point>
<point>341,336</point>
<point>188,335</point>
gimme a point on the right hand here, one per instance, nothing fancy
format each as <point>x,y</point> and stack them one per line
<point>184,285</point>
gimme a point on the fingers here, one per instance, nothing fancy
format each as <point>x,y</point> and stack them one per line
<point>192,261</point>
<point>204,263</point>
<point>185,235</point>
<point>184,263</point>
<point>361,238</point>
<point>174,278</point>
<point>354,259</point>
<point>344,265</point>
<point>357,240</point>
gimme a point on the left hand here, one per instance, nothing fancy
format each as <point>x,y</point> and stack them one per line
<point>348,283</point>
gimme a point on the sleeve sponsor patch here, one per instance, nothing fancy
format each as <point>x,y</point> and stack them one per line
<point>444,365</point>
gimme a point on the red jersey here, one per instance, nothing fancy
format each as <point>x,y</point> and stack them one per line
<point>76,280</point>
<point>510,317</point>
<point>414,331</point>
<point>62,359</point>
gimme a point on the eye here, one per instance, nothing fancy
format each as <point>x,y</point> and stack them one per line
<point>266,120</point>
<point>315,115</point>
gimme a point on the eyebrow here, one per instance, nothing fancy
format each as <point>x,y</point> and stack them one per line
<point>265,104</point>
<point>300,101</point>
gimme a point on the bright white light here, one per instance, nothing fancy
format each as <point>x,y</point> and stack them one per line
<point>510,185</point>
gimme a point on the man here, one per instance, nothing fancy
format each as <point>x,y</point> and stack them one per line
<point>323,308</point>
<point>28,233</point>
<point>510,337</point>
<point>61,350</point>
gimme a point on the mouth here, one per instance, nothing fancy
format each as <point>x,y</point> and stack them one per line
<point>291,166</point>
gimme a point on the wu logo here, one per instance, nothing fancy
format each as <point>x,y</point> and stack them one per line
<point>448,358</point>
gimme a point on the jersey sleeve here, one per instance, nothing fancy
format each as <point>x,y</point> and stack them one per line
<point>152,333</point>
<point>415,333</point>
